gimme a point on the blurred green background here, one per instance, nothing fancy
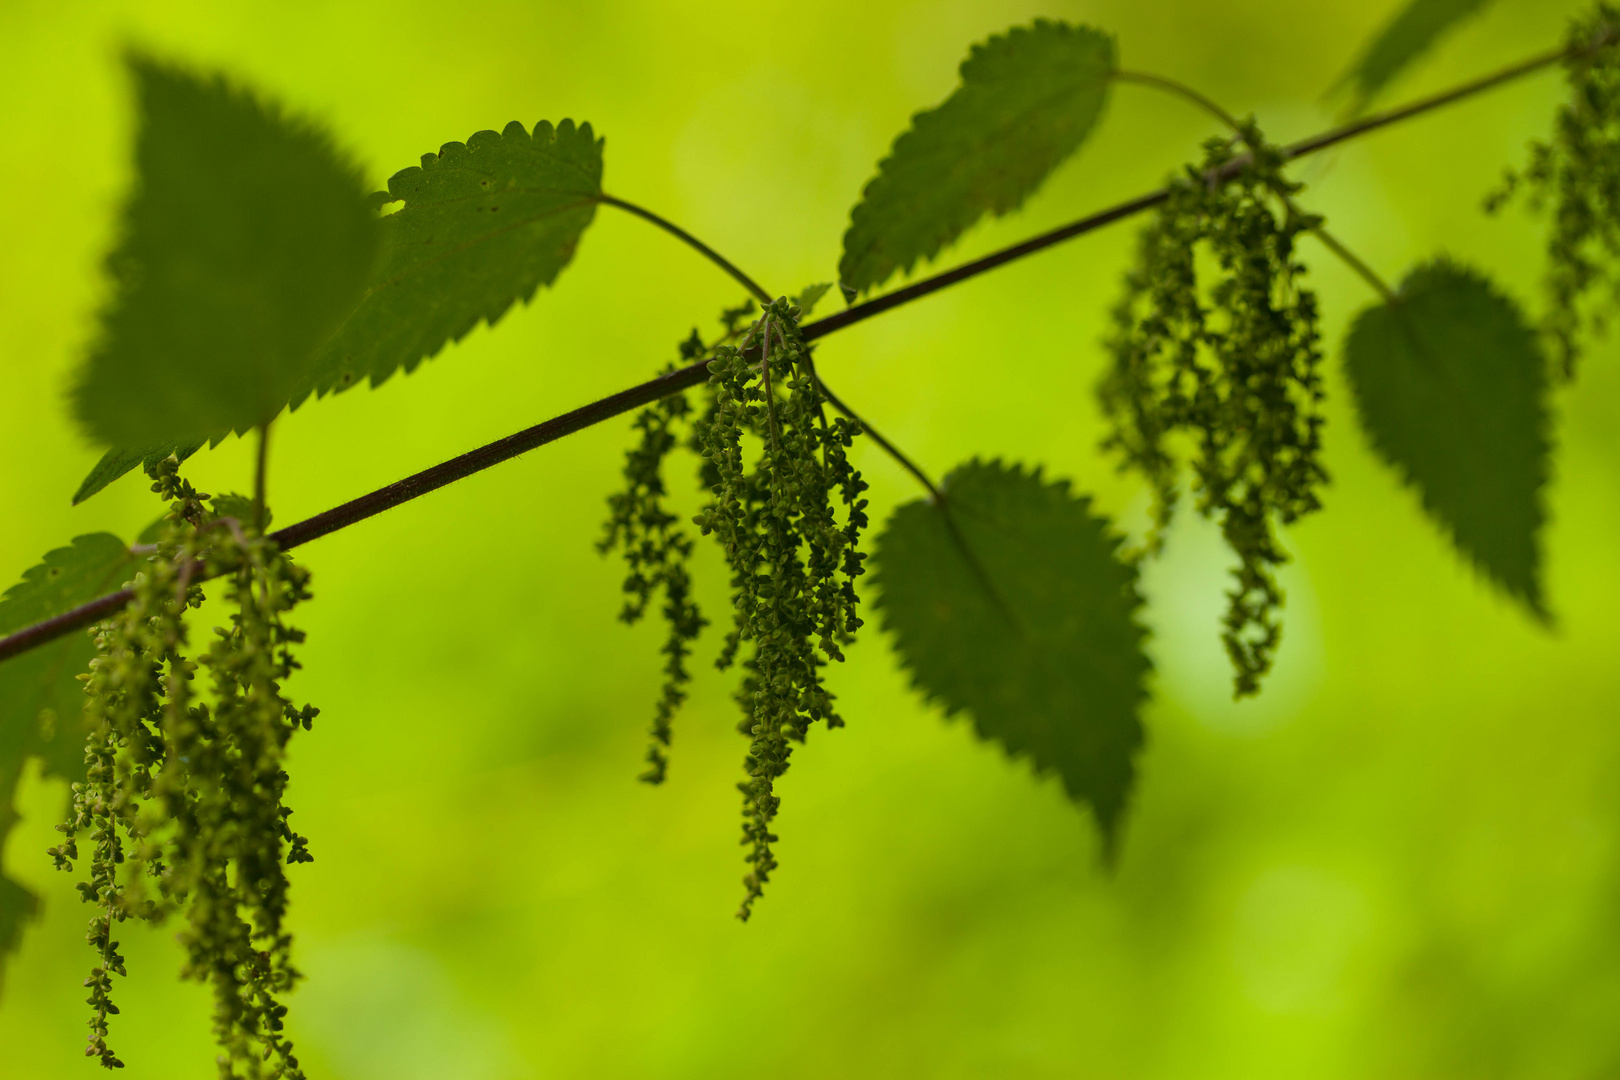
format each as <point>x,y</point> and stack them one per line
<point>1401,860</point>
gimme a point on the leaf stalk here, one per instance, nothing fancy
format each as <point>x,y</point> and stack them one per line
<point>754,288</point>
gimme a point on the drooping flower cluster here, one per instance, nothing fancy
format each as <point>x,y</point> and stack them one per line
<point>183,797</point>
<point>1216,359</point>
<point>793,564</point>
<point>656,554</point>
<point>775,464</point>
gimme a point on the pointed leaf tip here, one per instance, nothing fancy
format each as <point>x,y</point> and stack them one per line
<point>1017,610</point>
<point>1451,387</point>
<point>116,463</point>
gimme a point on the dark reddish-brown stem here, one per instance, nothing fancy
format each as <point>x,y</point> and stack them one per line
<point>340,517</point>
<point>474,461</point>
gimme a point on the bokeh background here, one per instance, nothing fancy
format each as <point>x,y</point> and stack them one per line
<point>1401,860</point>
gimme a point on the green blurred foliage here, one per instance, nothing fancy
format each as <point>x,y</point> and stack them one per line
<point>1403,859</point>
<point>245,241</point>
<point>1411,33</point>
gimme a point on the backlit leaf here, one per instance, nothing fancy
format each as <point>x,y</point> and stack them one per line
<point>484,223</point>
<point>1451,386</point>
<point>809,297</point>
<point>1406,37</point>
<point>41,700</point>
<point>115,463</point>
<point>245,241</point>
<point>1028,99</point>
<point>1018,610</point>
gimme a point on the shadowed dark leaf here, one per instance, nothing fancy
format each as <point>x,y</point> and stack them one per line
<point>1451,386</point>
<point>1034,634</point>
<point>246,240</point>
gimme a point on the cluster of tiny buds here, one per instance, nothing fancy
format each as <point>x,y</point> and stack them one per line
<point>183,794</point>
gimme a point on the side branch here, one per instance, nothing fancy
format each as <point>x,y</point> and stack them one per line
<point>687,238</point>
<point>475,461</point>
<point>402,491</point>
<point>41,633</point>
<point>888,447</point>
<point>494,453</point>
<point>861,312</point>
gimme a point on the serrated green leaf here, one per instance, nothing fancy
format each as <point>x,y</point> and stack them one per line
<point>246,240</point>
<point>1451,387</point>
<point>484,224</point>
<point>41,700</point>
<point>1403,39</point>
<point>238,506</point>
<point>1024,617</point>
<point>115,463</point>
<point>809,297</point>
<point>1028,99</point>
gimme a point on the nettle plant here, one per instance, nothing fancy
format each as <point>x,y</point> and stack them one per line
<point>254,274</point>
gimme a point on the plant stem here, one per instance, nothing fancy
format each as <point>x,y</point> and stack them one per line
<point>476,461</point>
<point>494,453</point>
<point>1436,101</point>
<point>1181,90</point>
<point>261,460</point>
<point>893,451</point>
<point>1351,260</point>
<point>693,242</point>
<point>937,497</point>
<point>770,396</point>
